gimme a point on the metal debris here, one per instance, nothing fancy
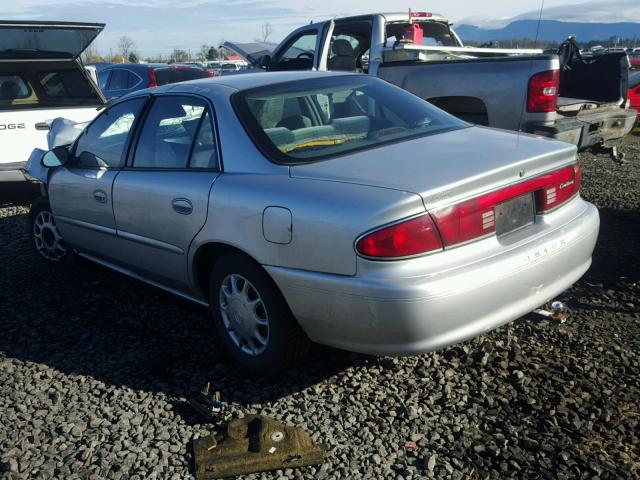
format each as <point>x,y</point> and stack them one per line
<point>253,444</point>
<point>557,312</point>
<point>207,402</point>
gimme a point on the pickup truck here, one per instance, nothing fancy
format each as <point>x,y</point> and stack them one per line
<point>580,102</point>
<point>41,78</point>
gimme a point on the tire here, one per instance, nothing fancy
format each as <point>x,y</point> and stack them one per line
<point>45,237</point>
<point>252,319</point>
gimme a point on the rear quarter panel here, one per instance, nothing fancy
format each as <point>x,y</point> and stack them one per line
<point>500,83</point>
<point>327,217</point>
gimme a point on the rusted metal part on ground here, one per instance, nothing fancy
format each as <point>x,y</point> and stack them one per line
<point>253,444</point>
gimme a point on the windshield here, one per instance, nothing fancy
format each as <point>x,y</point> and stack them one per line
<point>309,120</point>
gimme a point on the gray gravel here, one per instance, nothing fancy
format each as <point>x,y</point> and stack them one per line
<point>95,369</point>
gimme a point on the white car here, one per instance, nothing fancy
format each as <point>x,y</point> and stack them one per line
<point>41,78</point>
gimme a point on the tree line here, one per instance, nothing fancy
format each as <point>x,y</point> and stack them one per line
<point>126,52</point>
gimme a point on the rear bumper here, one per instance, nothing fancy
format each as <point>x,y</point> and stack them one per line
<point>419,305</point>
<point>590,129</point>
<point>15,188</point>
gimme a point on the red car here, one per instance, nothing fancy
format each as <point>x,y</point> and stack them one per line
<point>634,91</point>
<point>634,59</point>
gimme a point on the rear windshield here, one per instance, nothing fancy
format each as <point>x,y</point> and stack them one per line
<point>434,34</point>
<point>310,120</point>
<point>178,74</point>
<point>39,86</point>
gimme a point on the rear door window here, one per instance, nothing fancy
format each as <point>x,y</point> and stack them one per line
<point>168,133</point>
<point>13,87</point>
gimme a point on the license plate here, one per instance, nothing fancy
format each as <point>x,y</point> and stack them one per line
<point>514,214</point>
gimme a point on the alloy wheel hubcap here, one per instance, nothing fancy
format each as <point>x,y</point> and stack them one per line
<point>49,242</point>
<point>244,315</point>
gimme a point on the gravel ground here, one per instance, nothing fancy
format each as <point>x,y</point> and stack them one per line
<point>95,369</point>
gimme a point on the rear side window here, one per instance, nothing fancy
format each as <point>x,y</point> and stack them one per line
<point>102,144</point>
<point>165,76</point>
<point>65,84</point>
<point>169,132</point>
<point>13,87</point>
<point>205,152</point>
<point>119,79</point>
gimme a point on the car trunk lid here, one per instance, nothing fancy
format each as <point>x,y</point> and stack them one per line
<point>252,51</point>
<point>449,167</point>
<point>45,40</point>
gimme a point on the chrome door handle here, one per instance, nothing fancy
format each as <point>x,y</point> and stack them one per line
<point>182,206</point>
<point>100,196</point>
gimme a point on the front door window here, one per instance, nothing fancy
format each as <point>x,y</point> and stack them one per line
<point>299,54</point>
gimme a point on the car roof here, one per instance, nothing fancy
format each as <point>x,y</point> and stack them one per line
<point>231,83</point>
<point>244,81</point>
<point>148,65</point>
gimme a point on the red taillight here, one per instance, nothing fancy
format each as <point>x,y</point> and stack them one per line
<point>475,218</point>
<point>411,237</point>
<point>153,83</point>
<point>468,220</point>
<point>559,187</point>
<point>543,91</point>
<point>211,73</point>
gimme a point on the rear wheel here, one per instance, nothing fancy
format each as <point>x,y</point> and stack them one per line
<point>252,319</point>
<point>46,238</point>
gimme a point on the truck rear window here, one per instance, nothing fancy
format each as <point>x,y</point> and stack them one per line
<point>310,120</point>
<point>178,74</point>
<point>65,84</point>
<point>13,87</point>
<point>24,86</point>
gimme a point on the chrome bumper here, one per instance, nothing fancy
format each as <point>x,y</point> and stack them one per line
<point>419,305</point>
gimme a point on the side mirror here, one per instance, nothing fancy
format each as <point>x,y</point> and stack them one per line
<point>264,61</point>
<point>55,158</point>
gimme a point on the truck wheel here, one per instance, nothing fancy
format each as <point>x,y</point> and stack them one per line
<point>252,319</point>
<point>45,236</point>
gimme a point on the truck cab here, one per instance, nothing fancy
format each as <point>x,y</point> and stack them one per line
<point>573,99</point>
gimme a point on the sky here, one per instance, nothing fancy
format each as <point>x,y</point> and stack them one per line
<point>159,26</point>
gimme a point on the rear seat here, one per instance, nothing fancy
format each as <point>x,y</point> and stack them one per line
<point>340,126</point>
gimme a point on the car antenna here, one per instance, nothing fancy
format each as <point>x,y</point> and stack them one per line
<point>535,45</point>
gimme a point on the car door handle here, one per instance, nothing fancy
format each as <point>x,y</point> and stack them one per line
<point>182,206</point>
<point>100,196</point>
<point>42,126</point>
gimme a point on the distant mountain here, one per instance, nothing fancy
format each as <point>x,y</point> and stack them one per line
<point>551,30</point>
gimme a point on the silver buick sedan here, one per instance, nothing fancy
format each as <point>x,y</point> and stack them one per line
<point>333,208</point>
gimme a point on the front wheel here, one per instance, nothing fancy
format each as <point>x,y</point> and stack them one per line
<point>46,238</point>
<point>252,319</point>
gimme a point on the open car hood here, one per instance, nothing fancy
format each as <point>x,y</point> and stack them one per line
<point>251,52</point>
<point>45,40</point>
